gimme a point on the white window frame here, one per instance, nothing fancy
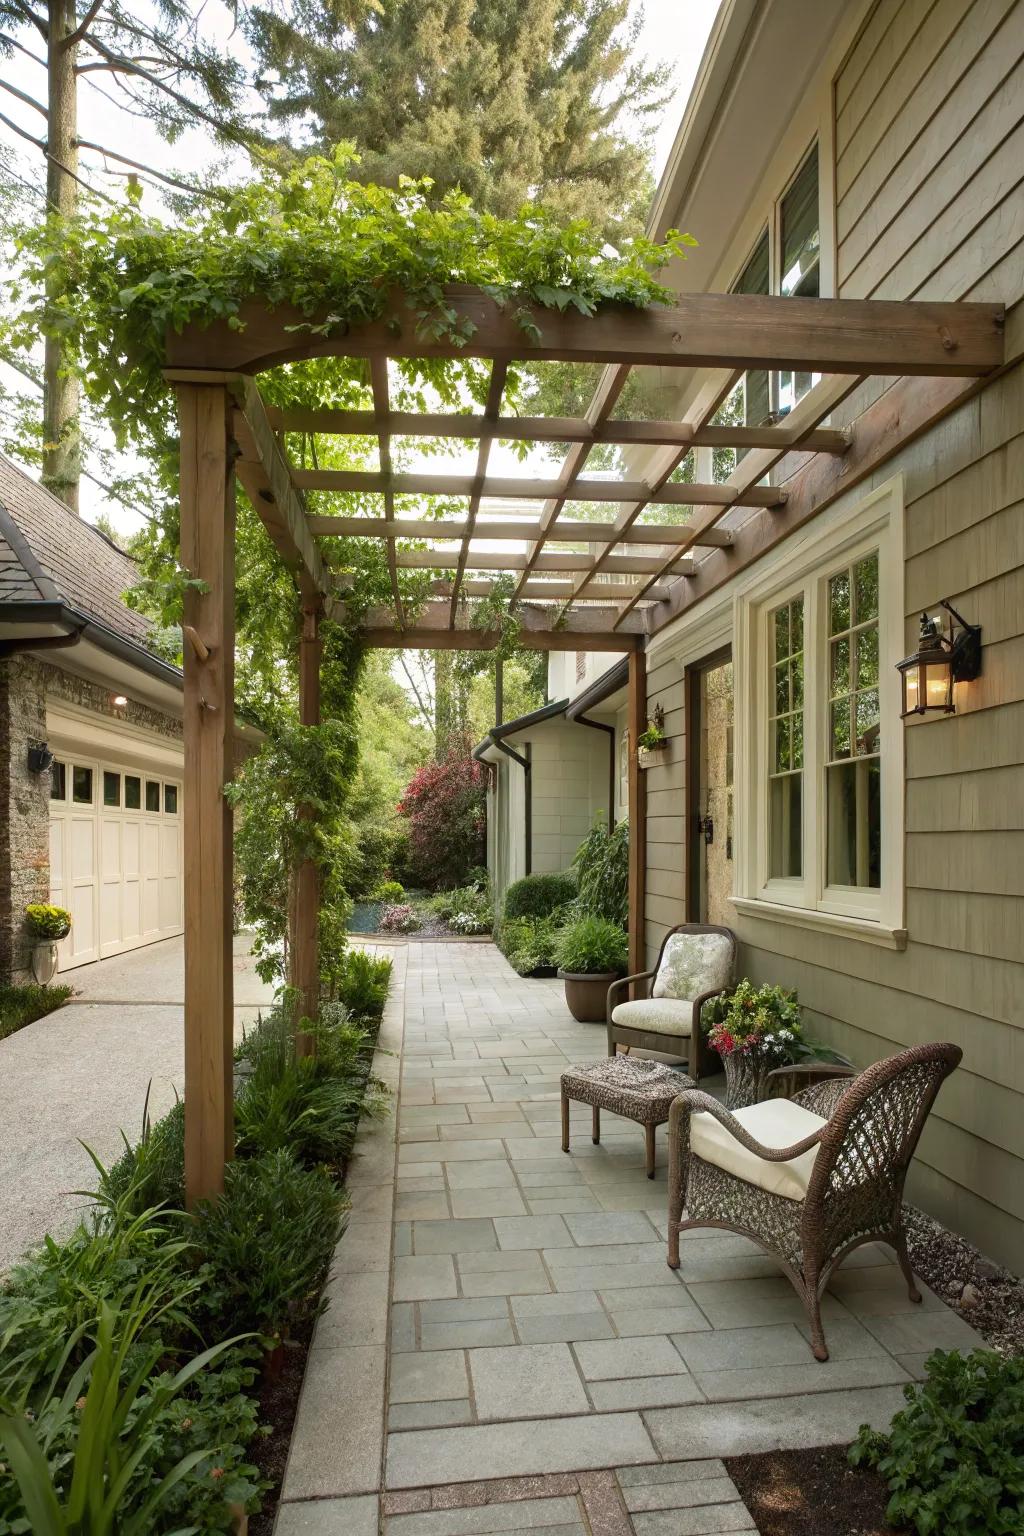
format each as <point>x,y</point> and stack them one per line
<point>837,539</point>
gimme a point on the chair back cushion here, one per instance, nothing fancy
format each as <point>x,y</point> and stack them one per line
<point>694,963</point>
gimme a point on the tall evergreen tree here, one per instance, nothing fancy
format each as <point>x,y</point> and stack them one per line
<point>509,101</point>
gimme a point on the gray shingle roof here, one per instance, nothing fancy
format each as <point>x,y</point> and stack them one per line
<point>47,554</point>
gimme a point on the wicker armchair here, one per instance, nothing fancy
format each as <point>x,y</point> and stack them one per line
<point>664,1015</point>
<point>809,1178</point>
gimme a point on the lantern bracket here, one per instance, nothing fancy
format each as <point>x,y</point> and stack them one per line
<point>964,645</point>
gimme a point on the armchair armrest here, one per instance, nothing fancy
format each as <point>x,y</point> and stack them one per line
<point>693,1101</point>
<point>625,981</point>
<point>698,1046</point>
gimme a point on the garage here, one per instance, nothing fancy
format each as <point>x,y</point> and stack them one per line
<point>115,837</point>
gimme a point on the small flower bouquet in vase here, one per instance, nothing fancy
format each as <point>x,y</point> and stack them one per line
<point>755,1030</point>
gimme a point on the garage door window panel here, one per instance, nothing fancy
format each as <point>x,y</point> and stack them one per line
<point>132,792</point>
<point>81,785</point>
<point>171,799</point>
<point>152,796</point>
<point>111,789</point>
<point>58,781</point>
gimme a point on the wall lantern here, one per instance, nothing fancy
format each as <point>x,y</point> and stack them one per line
<point>941,659</point>
<point>119,701</point>
<point>40,758</point>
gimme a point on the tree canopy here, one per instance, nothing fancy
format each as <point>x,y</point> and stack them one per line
<point>540,100</point>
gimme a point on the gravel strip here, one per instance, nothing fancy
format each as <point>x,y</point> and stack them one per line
<point>985,1294</point>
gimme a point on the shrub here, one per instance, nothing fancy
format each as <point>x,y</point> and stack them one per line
<point>538,895</point>
<point>389,891</point>
<point>304,1108</point>
<point>468,923</point>
<point>362,984</point>
<point>399,919</point>
<point>153,1171</point>
<point>528,943</point>
<point>45,922</point>
<point>444,808</point>
<point>592,945</point>
<point>23,1005</point>
<point>296,1213</point>
<point>601,864</point>
<point>954,1457</point>
<point>467,909</point>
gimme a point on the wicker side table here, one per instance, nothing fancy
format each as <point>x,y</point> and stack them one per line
<point>638,1090</point>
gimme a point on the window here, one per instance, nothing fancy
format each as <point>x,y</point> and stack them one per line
<point>152,795</point>
<point>58,781</point>
<point>852,767</point>
<point>171,799</point>
<point>786,261</point>
<point>111,788</point>
<point>820,754</point>
<point>132,792</point>
<point>786,749</point>
<point>81,785</point>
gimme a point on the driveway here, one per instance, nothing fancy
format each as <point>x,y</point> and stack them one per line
<point>81,1074</point>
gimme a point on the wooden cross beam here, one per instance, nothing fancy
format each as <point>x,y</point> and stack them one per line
<point>699,330</point>
<point>541,629</point>
<point>494,393</point>
<point>502,488</point>
<point>549,429</point>
<point>381,408</point>
<point>549,560</point>
<point>563,531</point>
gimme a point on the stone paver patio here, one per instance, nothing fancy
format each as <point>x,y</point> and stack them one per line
<point>506,1349</point>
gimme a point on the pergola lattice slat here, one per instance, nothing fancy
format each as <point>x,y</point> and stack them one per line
<point>511,488</point>
<point>381,410</point>
<point>563,531</point>
<point>495,390</point>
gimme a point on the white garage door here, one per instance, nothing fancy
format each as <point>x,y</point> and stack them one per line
<point>115,856</point>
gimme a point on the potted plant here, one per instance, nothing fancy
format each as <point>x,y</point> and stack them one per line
<point>653,740</point>
<point>591,953</point>
<point>46,926</point>
<point>754,1030</point>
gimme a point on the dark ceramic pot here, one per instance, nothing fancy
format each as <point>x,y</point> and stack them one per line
<point>586,994</point>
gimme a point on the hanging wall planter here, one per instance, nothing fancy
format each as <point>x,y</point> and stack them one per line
<point>46,926</point>
<point>652,744</point>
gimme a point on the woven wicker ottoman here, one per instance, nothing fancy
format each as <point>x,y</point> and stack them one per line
<point>629,1086</point>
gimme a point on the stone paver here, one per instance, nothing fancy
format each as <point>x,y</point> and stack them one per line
<point>536,1335</point>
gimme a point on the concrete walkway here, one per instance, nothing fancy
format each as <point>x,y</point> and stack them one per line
<point>81,1075</point>
<point>506,1348</point>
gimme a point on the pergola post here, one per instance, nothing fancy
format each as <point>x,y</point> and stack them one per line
<point>306,905</point>
<point>637,724</point>
<point>208,557</point>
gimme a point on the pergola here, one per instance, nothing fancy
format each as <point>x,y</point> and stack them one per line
<point>594,597</point>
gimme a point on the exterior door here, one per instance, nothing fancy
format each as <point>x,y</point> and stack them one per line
<point>709,691</point>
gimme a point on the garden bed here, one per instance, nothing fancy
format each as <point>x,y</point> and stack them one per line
<point>811,1493</point>
<point>23,1005</point>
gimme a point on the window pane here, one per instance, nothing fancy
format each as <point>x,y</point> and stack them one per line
<point>854,823</point>
<point>782,633</point>
<point>839,603</point>
<point>132,792</point>
<point>755,275</point>
<point>867,658</point>
<point>867,721</point>
<point>58,781</point>
<point>782,688</point>
<point>865,581</point>
<point>799,231</point>
<point>796,619</point>
<point>796,741</point>
<point>840,731</point>
<point>152,795</point>
<point>171,799</point>
<point>785,827</point>
<point>840,669</point>
<point>756,278</point>
<point>81,785</point>
<point>111,788</point>
<point>796,679</point>
<point>780,751</point>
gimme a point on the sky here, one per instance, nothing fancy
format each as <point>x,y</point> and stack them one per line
<point>673,31</point>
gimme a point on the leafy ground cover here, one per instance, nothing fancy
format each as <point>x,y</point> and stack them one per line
<point>23,1005</point>
<point>149,1368</point>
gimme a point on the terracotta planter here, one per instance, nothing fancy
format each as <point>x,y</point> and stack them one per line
<point>586,994</point>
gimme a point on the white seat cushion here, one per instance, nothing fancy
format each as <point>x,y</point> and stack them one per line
<point>694,963</point>
<point>775,1123</point>
<point>664,1015</point>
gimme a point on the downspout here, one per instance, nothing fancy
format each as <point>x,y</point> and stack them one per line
<point>526,766</point>
<point>599,725</point>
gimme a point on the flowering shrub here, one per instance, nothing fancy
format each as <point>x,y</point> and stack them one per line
<point>760,1021</point>
<point>400,918</point>
<point>444,807</point>
<point>468,922</point>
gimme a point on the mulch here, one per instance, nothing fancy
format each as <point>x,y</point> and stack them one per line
<point>278,1396</point>
<point>811,1493</point>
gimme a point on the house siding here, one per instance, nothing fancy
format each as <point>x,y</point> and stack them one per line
<point>929,158</point>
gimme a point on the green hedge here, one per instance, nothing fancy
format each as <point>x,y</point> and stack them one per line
<point>538,895</point>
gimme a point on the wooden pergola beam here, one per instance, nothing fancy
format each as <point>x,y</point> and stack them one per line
<point>550,591</point>
<point>541,629</point>
<point>701,330</point>
<point>381,411</point>
<point>547,429</point>
<point>495,390</point>
<point>562,531</point>
<point>502,488</point>
<point>549,560</point>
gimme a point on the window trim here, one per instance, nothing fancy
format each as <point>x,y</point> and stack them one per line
<point>839,537</point>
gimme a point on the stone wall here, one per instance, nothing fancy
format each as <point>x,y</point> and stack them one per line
<point>69,689</point>
<point>24,809</point>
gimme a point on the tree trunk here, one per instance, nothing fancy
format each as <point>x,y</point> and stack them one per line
<point>61,450</point>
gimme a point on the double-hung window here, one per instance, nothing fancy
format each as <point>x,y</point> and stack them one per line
<point>823,801</point>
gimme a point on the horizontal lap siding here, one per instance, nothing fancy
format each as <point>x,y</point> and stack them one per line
<point>929,160</point>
